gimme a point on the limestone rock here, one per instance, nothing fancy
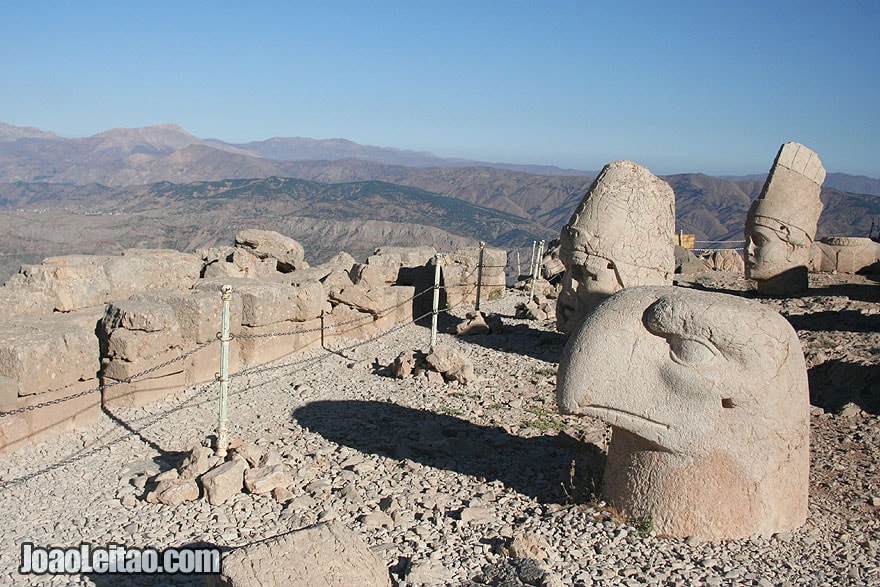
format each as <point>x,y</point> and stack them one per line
<point>250,452</point>
<point>474,323</point>
<point>46,354</point>
<point>176,491</point>
<point>267,244</point>
<point>727,260</point>
<point>686,262</point>
<point>138,315</point>
<point>707,397</point>
<point>452,365</point>
<point>224,480</point>
<point>845,254</point>
<point>324,554</point>
<point>265,303</point>
<point>404,365</point>
<point>251,266</point>
<point>528,545</point>
<point>199,461</point>
<point>265,479</point>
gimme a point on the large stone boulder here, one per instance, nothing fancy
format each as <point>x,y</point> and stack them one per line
<point>317,556</point>
<point>198,314</point>
<point>277,318</point>
<point>266,244</point>
<point>136,337</point>
<point>461,275</point>
<point>44,360</point>
<point>76,282</point>
<point>707,397</point>
<point>730,260</point>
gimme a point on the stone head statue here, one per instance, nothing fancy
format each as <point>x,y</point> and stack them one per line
<point>620,235</point>
<point>707,397</point>
<point>781,223</point>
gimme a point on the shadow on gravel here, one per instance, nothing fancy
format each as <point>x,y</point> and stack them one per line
<point>540,467</point>
<point>521,339</point>
<point>835,383</point>
<point>861,292</point>
<point>844,320</point>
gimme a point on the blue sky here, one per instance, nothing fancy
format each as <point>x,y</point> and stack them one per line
<point>678,86</point>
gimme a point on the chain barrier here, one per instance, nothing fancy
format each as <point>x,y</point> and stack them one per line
<point>152,419</point>
<point>128,379</point>
<point>369,318</point>
<point>314,360</point>
<point>86,452</point>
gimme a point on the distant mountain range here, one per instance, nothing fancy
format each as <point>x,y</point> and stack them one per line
<point>194,192</point>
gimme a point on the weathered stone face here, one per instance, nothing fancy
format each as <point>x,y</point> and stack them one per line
<point>781,223</point>
<point>620,235</point>
<point>707,396</point>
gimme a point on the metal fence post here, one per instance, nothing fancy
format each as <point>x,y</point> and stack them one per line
<point>532,258</point>
<point>222,432</point>
<point>437,257</point>
<point>536,270</point>
<point>480,275</point>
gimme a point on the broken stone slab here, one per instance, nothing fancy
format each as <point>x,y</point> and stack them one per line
<point>845,254</point>
<point>137,383</point>
<point>138,315</point>
<point>83,281</point>
<point>18,300</point>
<point>687,263</point>
<point>224,480</point>
<point>73,282</point>
<point>262,344</point>
<point>371,276</point>
<point>174,492</point>
<point>338,266</point>
<point>374,301</point>
<point>474,324</point>
<point>134,345</point>
<point>41,423</point>
<point>199,461</point>
<point>253,267</point>
<point>265,303</point>
<point>727,260</point>
<point>139,270</point>
<point>268,244</point>
<point>47,353</point>
<point>265,479</point>
<point>324,554</point>
<point>197,312</point>
<point>408,256</point>
<point>460,275</point>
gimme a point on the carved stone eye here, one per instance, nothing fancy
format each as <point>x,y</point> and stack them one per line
<point>691,350</point>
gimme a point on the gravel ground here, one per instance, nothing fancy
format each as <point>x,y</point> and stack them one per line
<point>438,478</point>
